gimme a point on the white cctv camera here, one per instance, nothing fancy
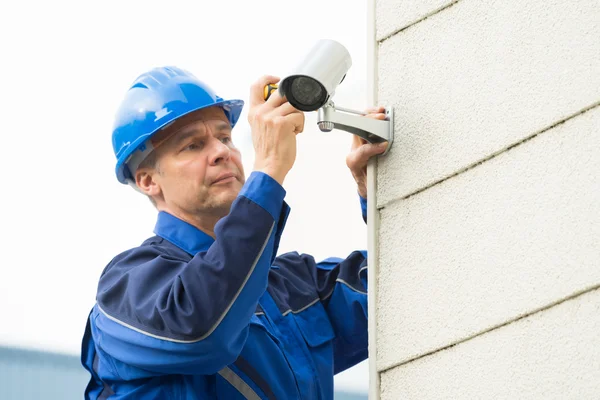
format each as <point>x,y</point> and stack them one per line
<point>316,77</point>
<point>312,84</point>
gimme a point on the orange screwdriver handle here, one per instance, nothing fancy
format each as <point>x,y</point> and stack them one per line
<point>269,89</point>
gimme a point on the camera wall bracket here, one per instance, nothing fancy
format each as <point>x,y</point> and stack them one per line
<point>372,130</point>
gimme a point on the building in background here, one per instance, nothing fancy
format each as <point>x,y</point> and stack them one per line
<point>33,375</point>
<point>489,200</point>
<point>28,374</point>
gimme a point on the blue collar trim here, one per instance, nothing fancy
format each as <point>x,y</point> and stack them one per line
<point>185,236</point>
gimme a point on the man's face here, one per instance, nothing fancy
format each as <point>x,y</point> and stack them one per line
<point>199,169</point>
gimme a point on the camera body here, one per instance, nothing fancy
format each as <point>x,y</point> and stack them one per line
<point>313,82</point>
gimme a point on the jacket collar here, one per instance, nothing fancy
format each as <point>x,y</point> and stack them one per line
<point>185,236</point>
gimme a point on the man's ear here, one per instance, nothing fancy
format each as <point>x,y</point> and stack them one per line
<point>146,182</point>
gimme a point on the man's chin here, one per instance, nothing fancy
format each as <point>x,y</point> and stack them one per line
<point>226,194</point>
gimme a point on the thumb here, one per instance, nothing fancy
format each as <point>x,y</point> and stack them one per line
<point>360,157</point>
<point>369,150</point>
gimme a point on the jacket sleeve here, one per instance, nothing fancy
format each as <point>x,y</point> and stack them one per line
<point>342,288</point>
<point>159,314</point>
<point>363,208</point>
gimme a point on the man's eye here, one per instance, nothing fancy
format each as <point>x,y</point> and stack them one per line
<point>226,139</point>
<point>192,146</point>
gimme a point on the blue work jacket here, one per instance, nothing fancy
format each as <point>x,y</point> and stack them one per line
<point>185,316</point>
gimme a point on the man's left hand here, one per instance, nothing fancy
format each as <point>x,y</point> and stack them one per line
<point>362,151</point>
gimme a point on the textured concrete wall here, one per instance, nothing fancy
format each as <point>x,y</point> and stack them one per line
<point>553,354</point>
<point>489,199</point>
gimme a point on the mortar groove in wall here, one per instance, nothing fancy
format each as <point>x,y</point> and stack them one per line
<point>405,27</point>
<point>493,155</point>
<point>511,321</point>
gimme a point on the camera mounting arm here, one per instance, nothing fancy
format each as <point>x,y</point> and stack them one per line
<point>372,130</point>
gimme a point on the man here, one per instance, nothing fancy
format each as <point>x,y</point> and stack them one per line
<point>204,309</point>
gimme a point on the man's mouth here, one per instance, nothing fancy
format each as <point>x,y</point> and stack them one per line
<point>225,178</point>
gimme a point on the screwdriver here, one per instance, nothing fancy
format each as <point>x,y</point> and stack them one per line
<point>269,89</point>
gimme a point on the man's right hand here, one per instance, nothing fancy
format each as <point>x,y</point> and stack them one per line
<point>275,124</point>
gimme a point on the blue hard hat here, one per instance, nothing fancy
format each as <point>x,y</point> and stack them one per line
<point>155,99</point>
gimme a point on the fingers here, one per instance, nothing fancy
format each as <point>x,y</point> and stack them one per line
<point>297,120</point>
<point>275,100</point>
<point>288,112</point>
<point>376,116</point>
<point>369,150</point>
<point>357,141</point>
<point>285,115</point>
<point>257,90</point>
<point>375,113</point>
<point>375,110</point>
<point>286,109</point>
<point>362,151</point>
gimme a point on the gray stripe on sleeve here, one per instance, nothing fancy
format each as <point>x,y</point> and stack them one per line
<point>239,384</point>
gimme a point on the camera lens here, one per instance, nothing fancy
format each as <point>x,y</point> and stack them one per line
<point>306,94</point>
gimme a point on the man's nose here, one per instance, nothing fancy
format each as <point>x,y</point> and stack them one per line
<point>219,152</point>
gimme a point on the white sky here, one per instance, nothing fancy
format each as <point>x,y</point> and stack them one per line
<point>66,66</point>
